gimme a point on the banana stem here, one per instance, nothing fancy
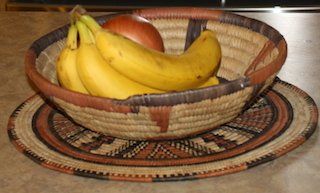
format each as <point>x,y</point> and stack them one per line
<point>90,22</point>
<point>72,37</point>
<point>76,13</point>
<point>84,32</point>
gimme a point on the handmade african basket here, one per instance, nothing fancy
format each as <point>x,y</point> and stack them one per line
<point>252,55</point>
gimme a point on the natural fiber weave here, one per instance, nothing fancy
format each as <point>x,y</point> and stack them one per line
<point>252,55</point>
<point>277,123</point>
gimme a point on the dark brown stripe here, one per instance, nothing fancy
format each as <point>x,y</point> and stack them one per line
<point>262,160</point>
<point>33,157</point>
<point>42,43</point>
<point>190,96</point>
<point>194,29</point>
<point>12,135</point>
<point>91,174</point>
<point>183,177</point>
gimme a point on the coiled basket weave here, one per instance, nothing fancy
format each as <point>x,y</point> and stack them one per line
<point>252,55</point>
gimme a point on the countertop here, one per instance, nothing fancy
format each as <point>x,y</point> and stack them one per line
<point>296,172</point>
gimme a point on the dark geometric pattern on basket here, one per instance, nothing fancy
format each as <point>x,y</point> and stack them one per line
<point>245,129</point>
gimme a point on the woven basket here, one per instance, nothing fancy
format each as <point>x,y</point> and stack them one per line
<point>252,55</point>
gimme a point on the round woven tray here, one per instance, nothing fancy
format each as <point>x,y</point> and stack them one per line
<point>278,122</point>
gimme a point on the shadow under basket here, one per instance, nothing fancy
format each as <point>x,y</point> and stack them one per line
<point>252,55</point>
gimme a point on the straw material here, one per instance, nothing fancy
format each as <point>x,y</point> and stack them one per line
<point>252,55</point>
<point>284,118</point>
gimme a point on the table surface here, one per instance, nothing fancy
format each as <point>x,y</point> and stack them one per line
<point>295,172</point>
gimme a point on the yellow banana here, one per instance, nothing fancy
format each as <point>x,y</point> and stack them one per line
<point>66,64</point>
<point>98,76</point>
<point>213,80</point>
<point>155,69</point>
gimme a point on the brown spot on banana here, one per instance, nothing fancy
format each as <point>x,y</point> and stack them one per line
<point>120,54</point>
<point>110,60</point>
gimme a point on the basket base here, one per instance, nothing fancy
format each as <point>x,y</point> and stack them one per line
<point>262,133</point>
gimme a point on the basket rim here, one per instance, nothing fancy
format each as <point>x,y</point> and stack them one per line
<point>254,78</point>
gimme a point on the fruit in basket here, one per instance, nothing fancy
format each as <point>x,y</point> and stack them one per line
<point>137,29</point>
<point>213,80</point>
<point>66,64</point>
<point>156,69</point>
<point>98,76</point>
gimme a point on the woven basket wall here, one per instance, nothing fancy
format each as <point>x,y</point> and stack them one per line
<point>252,55</point>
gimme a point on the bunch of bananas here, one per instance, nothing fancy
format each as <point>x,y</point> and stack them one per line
<point>109,65</point>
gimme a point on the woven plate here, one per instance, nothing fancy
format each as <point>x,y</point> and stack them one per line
<point>277,123</point>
